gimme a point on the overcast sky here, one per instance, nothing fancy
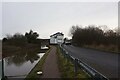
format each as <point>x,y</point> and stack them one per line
<point>49,17</point>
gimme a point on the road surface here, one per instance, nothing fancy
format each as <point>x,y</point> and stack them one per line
<point>104,62</point>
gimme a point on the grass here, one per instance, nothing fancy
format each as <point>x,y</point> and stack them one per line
<point>66,68</point>
<point>38,67</point>
<point>101,47</point>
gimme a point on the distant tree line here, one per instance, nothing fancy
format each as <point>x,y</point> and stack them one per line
<point>19,39</point>
<point>94,35</point>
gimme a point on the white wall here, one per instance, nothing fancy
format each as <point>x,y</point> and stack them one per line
<point>60,39</point>
<point>53,40</point>
<point>57,40</point>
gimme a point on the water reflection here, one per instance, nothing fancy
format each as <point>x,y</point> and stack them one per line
<point>21,63</point>
<point>16,59</point>
<point>20,58</point>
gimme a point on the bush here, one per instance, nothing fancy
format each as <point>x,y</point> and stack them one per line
<point>17,40</point>
<point>31,37</point>
<point>94,35</point>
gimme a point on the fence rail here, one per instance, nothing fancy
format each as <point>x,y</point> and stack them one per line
<point>80,64</point>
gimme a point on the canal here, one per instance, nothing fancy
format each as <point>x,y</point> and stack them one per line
<point>19,65</point>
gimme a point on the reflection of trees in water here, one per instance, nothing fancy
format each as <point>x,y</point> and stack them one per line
<point>22,57</point>
<point>16,59</point>
<point>31,57</point>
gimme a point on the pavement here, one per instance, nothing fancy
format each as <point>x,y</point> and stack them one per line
<point>50,67</point>
<point>104,62</point>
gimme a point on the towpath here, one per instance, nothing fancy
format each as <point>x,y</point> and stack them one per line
<point>50,67</point>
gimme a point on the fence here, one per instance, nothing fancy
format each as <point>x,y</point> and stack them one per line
<point>80,64</point>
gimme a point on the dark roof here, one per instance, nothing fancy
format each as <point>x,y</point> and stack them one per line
<point>58,33</point>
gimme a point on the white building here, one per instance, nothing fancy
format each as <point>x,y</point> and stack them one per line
<point>57,38</point>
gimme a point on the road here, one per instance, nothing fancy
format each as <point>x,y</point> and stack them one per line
<point>104,62</point>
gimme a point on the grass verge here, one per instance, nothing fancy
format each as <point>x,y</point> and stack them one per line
<point>66,67</point>
<point>38,67</point>
<point>110,48</point>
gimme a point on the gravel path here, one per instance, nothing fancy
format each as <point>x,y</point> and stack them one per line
<point>50,67</point>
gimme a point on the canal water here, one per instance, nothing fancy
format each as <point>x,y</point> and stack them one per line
<point>19,65</point>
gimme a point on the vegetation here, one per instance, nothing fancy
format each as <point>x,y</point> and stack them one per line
<point>66,68</point>
<point>38,67</point>
<point>17,40</point>
<point>19,43</point>
<point>92,36</point>
<point>31,36</point>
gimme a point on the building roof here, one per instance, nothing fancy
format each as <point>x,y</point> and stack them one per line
<point>56,34</point>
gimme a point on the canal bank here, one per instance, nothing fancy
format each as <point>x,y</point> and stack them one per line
<point>38,67</point>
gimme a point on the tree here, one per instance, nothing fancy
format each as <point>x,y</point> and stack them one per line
<point>31,36</point>
<point>4,39</point>
<point>17,39</point>
<point>92,35</point>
